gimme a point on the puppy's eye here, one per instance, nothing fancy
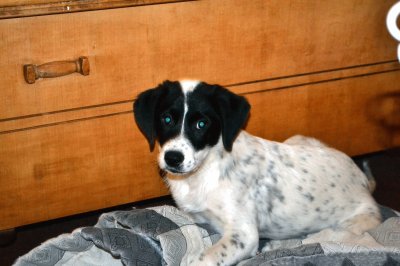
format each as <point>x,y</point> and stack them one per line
<point>167,119</point>
<point>201,124</point>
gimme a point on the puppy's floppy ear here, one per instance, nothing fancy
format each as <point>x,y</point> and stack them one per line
<point>144,109</point>
<point>233,111</point>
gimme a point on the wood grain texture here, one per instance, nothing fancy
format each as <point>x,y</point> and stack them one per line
<point>177,41</point>
<point>282,83</point>
<point>56,69</point>
<point>25,2</point>
<point>302,79</point>
<point>72,168</point>
<point>28,8</point>
<point>64,116</point>
<point>347,114</point>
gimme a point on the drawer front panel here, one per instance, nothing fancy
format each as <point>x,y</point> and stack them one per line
<point>132,49</point>
<point>75,167</point>
<point>355,115</point>
<point>86,164</point>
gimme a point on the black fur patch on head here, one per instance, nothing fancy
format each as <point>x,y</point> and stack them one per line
<point>171,106</point>
<point>226,111</point>
<point>212,111</point>
<point>155,104</point>
<point>202,112</point>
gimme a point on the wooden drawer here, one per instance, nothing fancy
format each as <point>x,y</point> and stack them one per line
<point>131,49</point>
<point>356,115</point>
<point>69,144</point>
<point>87,164</point>
<point>74,167</point>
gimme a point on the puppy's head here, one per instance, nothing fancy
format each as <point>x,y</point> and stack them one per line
<point>188,118</point>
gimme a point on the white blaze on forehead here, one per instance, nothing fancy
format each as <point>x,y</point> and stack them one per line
<point>192,158</point>
<point>187,86</point>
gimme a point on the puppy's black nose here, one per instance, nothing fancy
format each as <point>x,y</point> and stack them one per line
<point>173,158</point>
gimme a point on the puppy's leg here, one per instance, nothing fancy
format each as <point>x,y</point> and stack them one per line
<point>238,225</point>
<point>351,230</point>
<point>281,244</point>
<point>361,223</point>
<point>235,245</point>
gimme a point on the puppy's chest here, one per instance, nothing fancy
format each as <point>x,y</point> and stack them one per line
<point>188,199</point>
<point>192,194</point>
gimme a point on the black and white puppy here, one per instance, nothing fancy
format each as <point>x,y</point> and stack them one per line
<point>245,186</point>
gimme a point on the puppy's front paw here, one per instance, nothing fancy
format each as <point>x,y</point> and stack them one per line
<point>206,260</point>
<point>281,244</point>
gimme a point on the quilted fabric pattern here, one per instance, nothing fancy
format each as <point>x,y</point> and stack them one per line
<point>166,236</point>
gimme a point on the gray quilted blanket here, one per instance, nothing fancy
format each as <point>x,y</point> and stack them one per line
<point>166,236</point>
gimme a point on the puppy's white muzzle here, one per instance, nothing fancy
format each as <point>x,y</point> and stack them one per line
<point>178,156</point>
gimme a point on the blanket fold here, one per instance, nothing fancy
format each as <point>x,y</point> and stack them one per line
<point>166,236</point>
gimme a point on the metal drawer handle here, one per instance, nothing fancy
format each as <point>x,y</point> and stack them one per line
<point>56,69</point>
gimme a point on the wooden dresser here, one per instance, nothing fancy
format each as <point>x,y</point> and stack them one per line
<point>69,144</point>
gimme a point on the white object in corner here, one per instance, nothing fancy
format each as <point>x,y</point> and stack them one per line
<point>391,23</point>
